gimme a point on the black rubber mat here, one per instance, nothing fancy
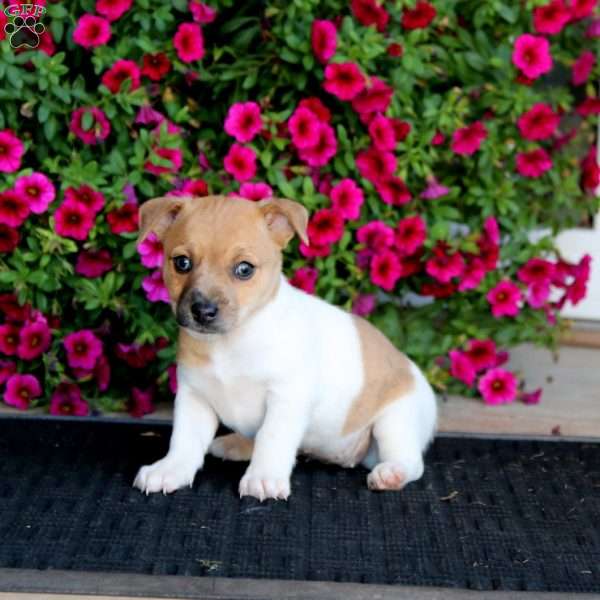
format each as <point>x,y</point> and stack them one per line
<point>486,515</point>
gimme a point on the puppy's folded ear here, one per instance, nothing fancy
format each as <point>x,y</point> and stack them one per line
<point>284,218</point>
<point>158,214</point>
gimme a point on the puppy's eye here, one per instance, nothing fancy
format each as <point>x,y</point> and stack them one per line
<point>182,264</point>
<point>243,270</point>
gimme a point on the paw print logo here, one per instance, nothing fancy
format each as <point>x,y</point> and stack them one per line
<point>24,31</point>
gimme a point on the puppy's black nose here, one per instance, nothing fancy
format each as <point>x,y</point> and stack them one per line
<point>204,311</point>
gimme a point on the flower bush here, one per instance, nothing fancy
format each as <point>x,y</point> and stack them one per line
<point>430,141</point>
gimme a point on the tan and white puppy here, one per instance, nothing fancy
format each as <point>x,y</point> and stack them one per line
<point>286,371</point>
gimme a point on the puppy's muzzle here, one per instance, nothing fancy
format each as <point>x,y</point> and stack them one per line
<point>204,311</point>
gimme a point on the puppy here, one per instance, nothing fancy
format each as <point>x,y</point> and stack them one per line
<point>286,371</point>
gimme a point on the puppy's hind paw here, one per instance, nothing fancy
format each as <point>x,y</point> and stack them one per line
<point>262,488</point>
<point>387,476</point>
<point>166,476</point>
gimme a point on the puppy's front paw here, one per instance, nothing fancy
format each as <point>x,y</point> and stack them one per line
<point>264,487</point>
<point>387,476</point>
<point>165,475</point>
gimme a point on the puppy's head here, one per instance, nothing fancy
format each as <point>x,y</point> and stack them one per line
<point>222,255</point>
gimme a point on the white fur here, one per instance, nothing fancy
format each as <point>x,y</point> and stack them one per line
<point>287,377</point>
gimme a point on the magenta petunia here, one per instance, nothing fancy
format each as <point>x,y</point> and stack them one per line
<point>37,190</point>
<point>304,127</point>
<point>532,56</point>
<point>9,238</point>
<point>317,108</point>
<point>240,162</point>
<point>34,340</point>
<point>305,278</point>
<point>443,266</point>
<point>393,191</point>
<point>83,349</point>
<point>461,367</point>
<point>418,17</point>
<point>155,288</point>
<point>7,368</point>
<point>538,123</point>
<point>375,165</point>
<point>473,274</point>
<point>324,149</point>
<point>364,304</point>
<point>93,263</point>
<point>14,208</point>
<point>536,270</point>
<point>92,199</point>
<point>538,294</point>
<point>141,402</point>
<point>313,250</point>
<point>583,67</point>
<point>370,12</point>
<point>468,140</point>
<point>124,219</point>
<point>581,9</point>
<point>9,339</point>
<point>347,197</point>
<point>74,220</point>
<point>323,37</point>
<point>410,234</point>
<point>344,80</point>
<point>189,42</point>
<point>385,270</point>
<point>11,151</point>
<point>498,386</point>
<point>172,155</point>
<point>551,18</point>
<point>121,71</point>
<point>326,226</point>
<point>375,98</point>
<point>195,187</point>
<point>91,31</point>
<point>243,121</point>
<point>66,400</point>
<point>531,397</point>
<point>151,252</point>
<point>504,299</point>
<point>202,13</point>
<point>113,9</point>
<point>377,236</point>
<point>382,133</point>
<point>21,390</point>
<point>482,354</point>
<point>434,190</point>
<point>99,129</point>
<point>534,163</point>
<point>255,191</point>
<point>155,66</point>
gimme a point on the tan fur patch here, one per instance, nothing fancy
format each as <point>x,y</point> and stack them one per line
<point>387,376</point>
<point>234,446</point>
<point>191,352</point>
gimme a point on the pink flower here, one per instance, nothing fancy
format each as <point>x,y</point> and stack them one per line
<point>443,266</point>
<point>120,72</point>
<point>11,151</point>
<point>538,294</point>
<point>113,9</point>
<point>240,162</point>
<point>37,190</point>
<point>393,191</point>
<point>34,339</point>
<point>21,390</point>
<point>314,250</point>
<point>92,199</point>
<point>137,356</point>
<point>323,38</point>
<point>347,198</point>
<point>326,226</point>
<point>382,133</point>
<point>438,139</point>
<point>467,140</point>
<point>155,288</point>
<point>583,67</point>
<point>202,13</point>
<point>99,129</point>
<point>375,165</point>
<point>305,278</point>
<point>482,354</point>
<point>141,402</point>
<point>370,12</point>
<point>534,163</point>
<point>374,98</point>
<point>13,208</point>
<point>73,220</point>
<point>124,219</point>
<point>385,270</point>
<point>155,66</point>
<point>9,238</point>
<point>410,234</point>
<point>551,18</point>
<point>172,371</point>
<point>376,236</point>
<point>7,368</point>
<point>324,150</point>
<point>473,274</point>
<point>536,270</point>
<point>189,42</point>
<point>498,386</point>
<point>538,123</point>
<point>255,191</point>
<point>93,263</point>
<point>194,187</point>
<point>461,367</point>
<point>434,190</point>
<point>83,349</point>
<point>172,155</point>
<point>364,304</point>
<point>91,31</point>
<point>504,299</point>
<point>531,397</point>
<point>304,128</point>
<point>243,121</point>
<point>580,9</point>
<point>151,251</point>
<point>317,108</point>
<point>9,339</point>
<point>532,56</point>
<point>418,17</point>
<point>66,400</point>
<point>344,80</point>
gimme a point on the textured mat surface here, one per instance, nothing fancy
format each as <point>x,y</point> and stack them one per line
<point>486,515</point>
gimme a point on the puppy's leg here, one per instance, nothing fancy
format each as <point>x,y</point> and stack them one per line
<point>400,436</point>
<point>232,446</point>
<point>194,427</point>
<point>276,445</point>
